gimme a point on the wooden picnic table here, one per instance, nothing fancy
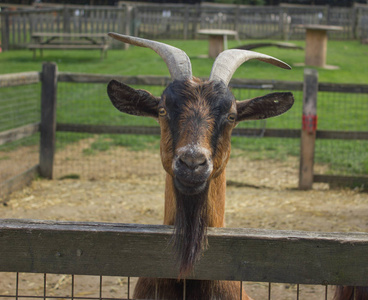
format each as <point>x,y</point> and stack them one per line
<point>65,41</point>
<point>217,39</point>
<point>316,44</point>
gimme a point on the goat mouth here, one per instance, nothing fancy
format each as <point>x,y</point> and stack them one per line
<point>189,187</point>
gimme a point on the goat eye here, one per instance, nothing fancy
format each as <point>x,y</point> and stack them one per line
<point>231,117</point>
<point>162,112</point>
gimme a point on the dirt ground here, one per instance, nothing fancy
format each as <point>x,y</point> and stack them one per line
<point>260,194</point>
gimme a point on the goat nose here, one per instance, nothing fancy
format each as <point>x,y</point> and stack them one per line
<point>193,161</point>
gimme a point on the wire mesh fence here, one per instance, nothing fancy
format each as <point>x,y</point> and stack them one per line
<point>105,156</point>
<point>345,112</point>
<point>83,287</point>
<point>92,156</point>
<point>89,104</point>
<point>20,106</point>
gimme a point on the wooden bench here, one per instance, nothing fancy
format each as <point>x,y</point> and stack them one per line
<point>69,41</point>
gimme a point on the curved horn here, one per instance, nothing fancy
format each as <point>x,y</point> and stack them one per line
<point>176,60</point>
<point>228,61</point>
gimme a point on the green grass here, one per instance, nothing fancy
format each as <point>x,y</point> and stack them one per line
<point>350,56</point>
<point>88,103</point>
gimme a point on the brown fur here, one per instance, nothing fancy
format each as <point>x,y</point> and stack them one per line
<point>351,293</point>
<point>165,289</point>
<point>195,212</point>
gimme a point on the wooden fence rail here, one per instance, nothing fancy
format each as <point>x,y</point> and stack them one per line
<point>144,250</point>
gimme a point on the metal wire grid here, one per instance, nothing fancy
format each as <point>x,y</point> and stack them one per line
<point>20,105</point>
<point>70,292</point>
<point>97,283</point>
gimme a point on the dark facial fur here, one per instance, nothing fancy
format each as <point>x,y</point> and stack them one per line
<point>195,131</point>
<point>190,228</point>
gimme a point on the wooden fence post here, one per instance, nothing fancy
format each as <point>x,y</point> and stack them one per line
<point>48,119</point>
<point>309,127</point>
<point>66,19</point>
<point>5,31</point>
<point>129,25</point>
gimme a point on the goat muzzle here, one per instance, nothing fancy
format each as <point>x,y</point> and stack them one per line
<point>192,167</point>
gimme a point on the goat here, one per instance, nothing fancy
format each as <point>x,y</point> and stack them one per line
<point>196,119</point>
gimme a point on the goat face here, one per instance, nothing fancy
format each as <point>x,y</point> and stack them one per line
<point>196,120</point>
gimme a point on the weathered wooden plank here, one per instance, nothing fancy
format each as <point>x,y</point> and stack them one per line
<point>267,132</point>
<point>144,250</point>
<point>17,182</point>
<point>165,80</point>
<point>247,132</point>
<point>23,78</point>
<point>48,119</point>
<point>342,135</point>
<point>348,181</point>
<point>110,129</point>
<point>15,134</point>
<point>243,83</point>
<point>70,35</point>
<point>5,31</point>
<point>320,134</point>
<point>67,47</point>
<point>99,78</point>
<point>342,88</point>
<point>234,83</point>
<point>308,133</point>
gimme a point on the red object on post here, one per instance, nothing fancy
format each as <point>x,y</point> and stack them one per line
<point>310,123</point>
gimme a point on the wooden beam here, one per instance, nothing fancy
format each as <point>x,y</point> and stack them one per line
<point>165,80</point>
<point>342,135</point>
<point>145,250</point>
<point>16,79</point>
<point>155,130</point>
<point>48,119</point>
<point>309,127</point>
<point>17,182</point>
<point>234,83</point>
<point>15,134</point>
<point>343,88</point>
<point>99,78</point>
<point>108,129</point>
<point>5,30</point>
<point>247,132</point>
<point>349,181</point>
<point>268,132</point>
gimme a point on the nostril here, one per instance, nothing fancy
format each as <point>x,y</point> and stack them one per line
<point>193,161</point>
<point>182,161</point>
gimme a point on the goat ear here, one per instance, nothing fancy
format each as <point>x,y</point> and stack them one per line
<point>264,107</point>
<point>132,101</point>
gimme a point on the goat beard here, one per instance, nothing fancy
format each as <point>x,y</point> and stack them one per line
<point>190,233</point>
